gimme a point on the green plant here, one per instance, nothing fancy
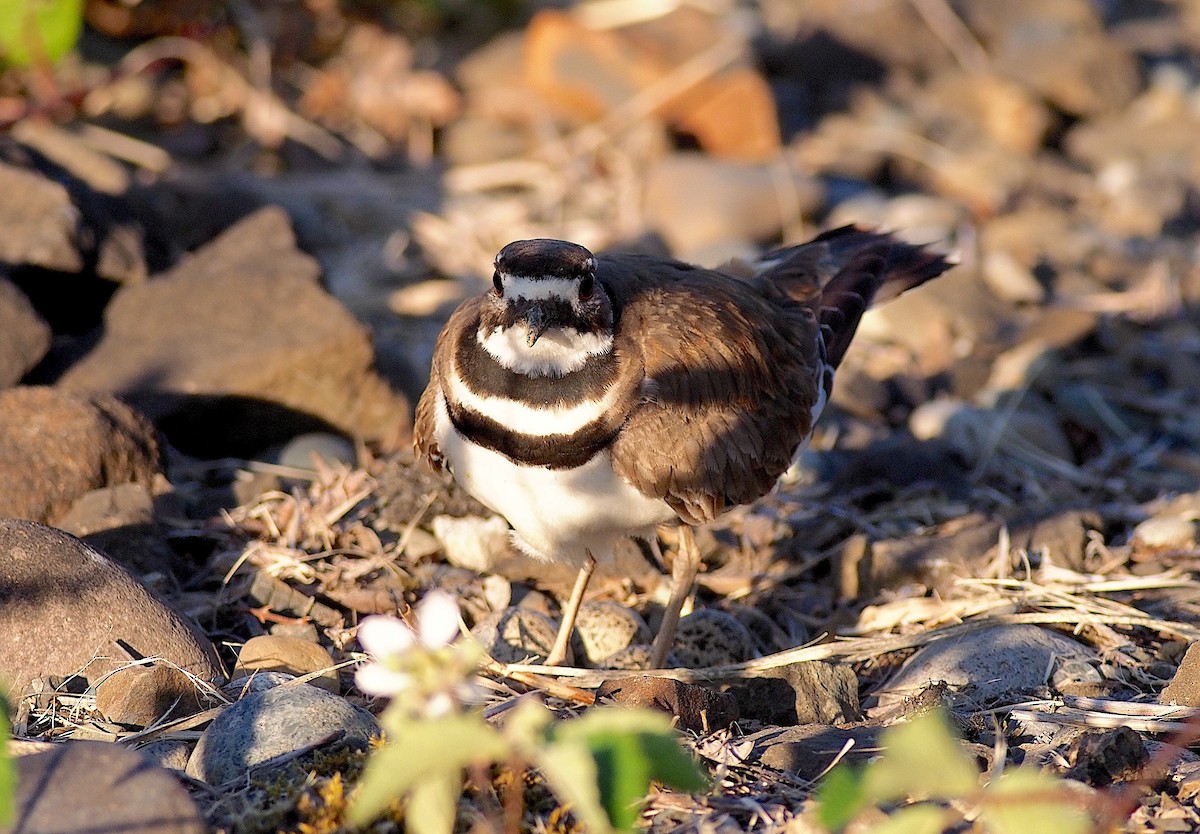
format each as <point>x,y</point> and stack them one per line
<point>8,772</point>
<point>602,764</point>
<point>38,31</point>
<point>934,784</point>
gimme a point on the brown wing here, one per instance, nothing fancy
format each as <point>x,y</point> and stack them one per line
<point>731,379</point>
<point>423,436</point>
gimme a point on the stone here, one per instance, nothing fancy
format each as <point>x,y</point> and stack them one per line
<point>39,220</point>
<point>55,220</point>
<point>678,202</point>
<point>55,446</point>
<point>1101,758</point>
<point>697,709</point>
<point>272,653</point>
<point>143,694</point>
<point>807,750</point>
<point>518,634</point>
<point>238,347</point>
<point>24,335</point>
<point>265,725</point>
<point>1184,688</point>
<point>171,754</point>
<point>800,693</point>
<point>50,577</point>
<point>299,452</point>
<point>986,666</point>
<point>120,521</point>
<point>585,73</point>
<point>708,637</point>
<point>1165,532</point>
<point>604,628</point>
<point>95,786</point>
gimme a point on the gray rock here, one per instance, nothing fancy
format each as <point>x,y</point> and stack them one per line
<point>517,634</point>
<point>807,750</point>
<point>709,637</point>
<point>56,446</point>
<point>1184,688</point>
<point>169,753</point>
<point>239,346</point>
<point>604,628</point>
<point>120,522</point>
<point>265,725</point>
<point>331,448</point>
<point>64,607</point>
<point>94,786</point>
<point>24,335</point>
<point>39,220</point>
<point>987,665</point>
<point>274,653</point>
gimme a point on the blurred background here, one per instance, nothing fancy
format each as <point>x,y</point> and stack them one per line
<point>250,219</point>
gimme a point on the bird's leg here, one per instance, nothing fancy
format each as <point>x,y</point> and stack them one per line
<point>559,652</point>
<point>683,576</point>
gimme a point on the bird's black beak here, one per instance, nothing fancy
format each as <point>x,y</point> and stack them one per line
<point>536,324</point>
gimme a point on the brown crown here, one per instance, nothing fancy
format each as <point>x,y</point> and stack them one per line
<point>545,257</point>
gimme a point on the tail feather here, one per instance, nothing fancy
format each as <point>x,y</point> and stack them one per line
<point>870,268</point>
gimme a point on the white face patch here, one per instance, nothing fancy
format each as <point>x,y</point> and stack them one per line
<point>540,289</point>
<point>558,352</point>
<point>531,419</point>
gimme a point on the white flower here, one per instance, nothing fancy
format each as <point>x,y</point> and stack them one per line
<point>388,639</point>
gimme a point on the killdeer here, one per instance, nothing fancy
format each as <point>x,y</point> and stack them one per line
<point>590,398</point>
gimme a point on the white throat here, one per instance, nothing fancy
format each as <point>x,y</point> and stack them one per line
<point>558,352</point>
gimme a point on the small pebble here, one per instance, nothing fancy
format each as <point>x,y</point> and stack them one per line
<point>1165,532</point>
<point>518,634</point>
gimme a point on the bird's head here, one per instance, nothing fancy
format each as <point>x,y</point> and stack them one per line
<point>546,313</point>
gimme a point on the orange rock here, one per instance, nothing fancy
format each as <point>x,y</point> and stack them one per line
<point>584,74</point>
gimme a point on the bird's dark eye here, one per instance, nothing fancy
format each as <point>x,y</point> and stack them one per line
<point>586,287</point>
<point>497,283</point>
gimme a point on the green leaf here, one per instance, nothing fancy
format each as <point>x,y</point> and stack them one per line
<point>571,771</point>
<point>433,804</point>
<point>1028,801</point>
<point>36,30</point>
<point>424,750</point>
<point>916,819</point>
<point>630,749</point>
<point>8,772</point>
<point>840,797</point>
<point>922,758</point>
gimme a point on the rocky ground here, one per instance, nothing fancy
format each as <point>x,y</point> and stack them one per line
<point>223,262</point>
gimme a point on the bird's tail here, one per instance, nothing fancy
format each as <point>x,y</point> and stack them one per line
<point>866,268</point>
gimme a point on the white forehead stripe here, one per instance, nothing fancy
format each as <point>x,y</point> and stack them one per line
<point>532,419</point>
<point>538,289</point>
<point>557,353</point>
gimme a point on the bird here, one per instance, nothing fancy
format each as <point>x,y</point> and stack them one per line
<point>590,398</point>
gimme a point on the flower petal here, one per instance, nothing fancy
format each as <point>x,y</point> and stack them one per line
<point>377,679</point>
<point>383,636</point>
<point>437,619</point>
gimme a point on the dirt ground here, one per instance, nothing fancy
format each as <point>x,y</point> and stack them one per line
<point>1014,446</point>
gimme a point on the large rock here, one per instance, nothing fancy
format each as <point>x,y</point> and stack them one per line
<point>991,665</point>
<point>239,346</point>
<point>64,606</point>
<point>24,335</point>
<point>54,220</point>
<point>281,720</point>
<point>92,786</point>
<point>55,446</point>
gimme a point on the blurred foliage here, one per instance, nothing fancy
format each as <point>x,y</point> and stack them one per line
<point>38,31</point>
<point>935,781</point>
<point>8,771</point>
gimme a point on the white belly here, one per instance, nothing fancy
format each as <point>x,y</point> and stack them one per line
<point>558,514</point>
